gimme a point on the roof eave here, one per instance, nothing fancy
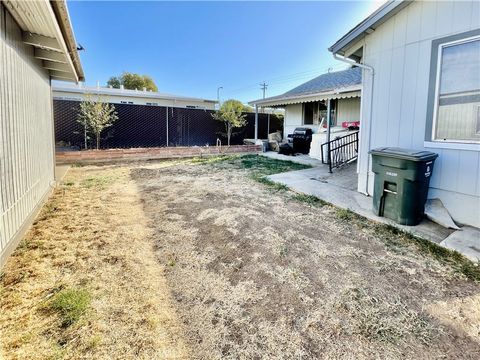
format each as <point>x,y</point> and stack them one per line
<point>381,15</point>
<point>279,101</point>
<point>63,18</point>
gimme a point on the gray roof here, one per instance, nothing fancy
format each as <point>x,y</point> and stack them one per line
<point>328,81</point>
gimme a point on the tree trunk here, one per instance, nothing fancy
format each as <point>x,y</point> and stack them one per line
<point>229,134</point>
<point>98,141</point>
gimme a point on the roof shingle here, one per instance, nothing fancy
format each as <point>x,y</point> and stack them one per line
<point>328,81</point>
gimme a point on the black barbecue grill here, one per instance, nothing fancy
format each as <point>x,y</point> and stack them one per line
<point>302,137</point>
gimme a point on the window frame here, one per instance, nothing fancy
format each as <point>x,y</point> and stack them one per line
<point>303,115</point>
<point>437,47</point>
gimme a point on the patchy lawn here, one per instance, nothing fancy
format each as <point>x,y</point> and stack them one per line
<point>206,259</point>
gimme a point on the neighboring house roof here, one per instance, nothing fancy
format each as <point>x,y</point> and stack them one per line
<point>339,84</point>
<point>59,91</point>
<point>46,26</point>
<point>382,14</point>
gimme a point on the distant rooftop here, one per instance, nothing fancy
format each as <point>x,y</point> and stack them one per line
<point>100,90</point>
<point>332,82</point>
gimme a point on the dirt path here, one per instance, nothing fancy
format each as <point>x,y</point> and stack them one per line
<point>200,260</point>
<point>256,274</point>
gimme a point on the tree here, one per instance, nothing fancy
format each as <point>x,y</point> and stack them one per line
<point>248,108</point>
<point>132,81</point>
<point>230,113</point>
<point>96,116</point>
<point>114,82</point>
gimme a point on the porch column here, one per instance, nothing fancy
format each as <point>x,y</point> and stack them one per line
<point>256,122</point>
<point>328,136</point>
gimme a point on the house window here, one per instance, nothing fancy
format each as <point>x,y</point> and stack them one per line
<point>456,111</point>
<point>313,112</point>
<point>308,110</point>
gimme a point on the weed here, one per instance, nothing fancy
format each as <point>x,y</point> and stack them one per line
<point>385,320</point>
<point>262,165</point>
<point>71,304</point>
<point>283,251</point>
<point>68,183</point>
<point>172,260</point>
<point>213,159</point>
<point>271,184</point>
<point>50,208</point>
<point>94,342</point>
<point>393,236</point>
<point>344,214</point>
<point>309,199</point>
<point>97,181</point>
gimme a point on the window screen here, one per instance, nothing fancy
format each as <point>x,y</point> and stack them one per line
<point>458,92</point>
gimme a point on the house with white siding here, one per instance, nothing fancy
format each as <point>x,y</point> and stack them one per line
<point>421,90</point>
<point>306,105</point>
<point>36,45</point>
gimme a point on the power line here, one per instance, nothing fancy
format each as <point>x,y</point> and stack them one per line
<point>290,78</point>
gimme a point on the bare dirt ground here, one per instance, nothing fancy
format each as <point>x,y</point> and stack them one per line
<point>201,260</point>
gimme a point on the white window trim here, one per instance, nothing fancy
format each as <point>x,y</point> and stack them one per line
<point>453,143</point>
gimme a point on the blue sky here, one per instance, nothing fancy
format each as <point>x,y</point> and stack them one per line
<point>191,48</point>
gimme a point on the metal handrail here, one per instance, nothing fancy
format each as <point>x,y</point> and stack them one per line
<point>340,150</point>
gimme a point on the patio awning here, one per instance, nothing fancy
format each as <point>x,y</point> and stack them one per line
<point>299,99</point>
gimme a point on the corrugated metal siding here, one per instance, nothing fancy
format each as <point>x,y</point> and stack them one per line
<point>400,50</point>
<point>26,123</point>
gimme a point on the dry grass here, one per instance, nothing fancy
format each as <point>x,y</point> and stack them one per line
<point>258,273</point>
<point>202,259</point>
<point>85,282</point>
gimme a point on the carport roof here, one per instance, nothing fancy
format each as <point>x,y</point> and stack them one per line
<point>339,84</point>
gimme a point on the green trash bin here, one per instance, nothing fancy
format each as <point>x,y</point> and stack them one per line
<point>402,177</point>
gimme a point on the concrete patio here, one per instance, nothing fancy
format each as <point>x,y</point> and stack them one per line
<point>339,189</point>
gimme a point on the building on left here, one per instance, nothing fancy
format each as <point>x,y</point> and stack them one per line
<point>37,45</point>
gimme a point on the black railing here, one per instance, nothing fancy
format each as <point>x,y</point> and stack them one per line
<point>340,151</point>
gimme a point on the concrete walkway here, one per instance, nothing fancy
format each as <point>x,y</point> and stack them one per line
<point>339,189</point>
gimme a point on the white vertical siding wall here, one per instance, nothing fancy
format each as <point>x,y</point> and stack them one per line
<point>293,119</point>
<point>26,134</point>
<point>399,50</point>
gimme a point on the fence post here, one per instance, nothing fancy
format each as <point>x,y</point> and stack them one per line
<point>268,125</point>
<point>256,123</point>
<point>167,126</point>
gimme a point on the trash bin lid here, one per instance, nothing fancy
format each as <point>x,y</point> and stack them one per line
<point>405,154</point>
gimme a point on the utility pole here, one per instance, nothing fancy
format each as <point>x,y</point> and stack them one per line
<point>218,95</point>
<point>263,86</point>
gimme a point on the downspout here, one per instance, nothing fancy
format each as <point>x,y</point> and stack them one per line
<point>371,70</point>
